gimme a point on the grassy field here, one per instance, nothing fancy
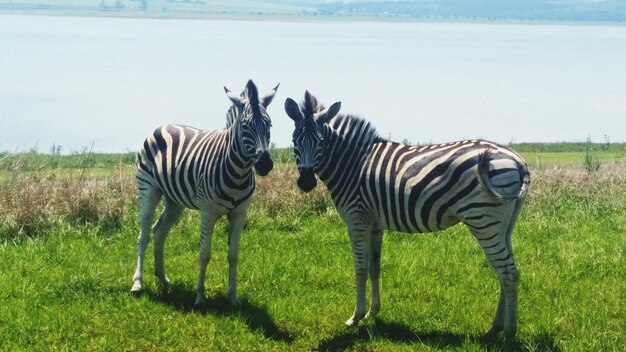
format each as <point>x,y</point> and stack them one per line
<point>67,244</point>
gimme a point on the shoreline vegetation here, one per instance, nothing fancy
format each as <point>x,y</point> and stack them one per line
<point>319,19</point>
<point>479,11</point>
<point>36,158</point>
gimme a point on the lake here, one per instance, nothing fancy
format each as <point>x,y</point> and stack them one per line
<point>74,81</point>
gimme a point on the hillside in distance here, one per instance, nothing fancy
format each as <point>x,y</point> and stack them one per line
<point>524,10</point>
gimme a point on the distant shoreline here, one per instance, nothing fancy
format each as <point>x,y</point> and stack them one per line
<point>295,19</point>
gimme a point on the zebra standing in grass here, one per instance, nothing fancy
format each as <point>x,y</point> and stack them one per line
<point>210,171</point>
<point>377,184</point>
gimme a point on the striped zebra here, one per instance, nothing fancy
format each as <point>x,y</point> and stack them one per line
<point>210,171</point>
<point>377,184</point>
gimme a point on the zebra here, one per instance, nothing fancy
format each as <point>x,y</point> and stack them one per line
<point>210,171</point>
<point>377,184</point>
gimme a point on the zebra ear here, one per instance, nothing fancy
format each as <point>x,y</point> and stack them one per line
<point>327,114</point>
<point>237,100</point>
<point>267,98</point>
<point>293,110</point>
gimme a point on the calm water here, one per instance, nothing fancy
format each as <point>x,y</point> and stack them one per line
<point>74,81</point>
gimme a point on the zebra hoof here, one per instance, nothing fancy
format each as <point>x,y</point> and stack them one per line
<point>492,333</point>
<point>374,309</point>
<point>164,282</point>
<point>509,336</point>
<point>354,320</point>
<point>137,289</point>
<point>351,323</point>
<point>200,301</point>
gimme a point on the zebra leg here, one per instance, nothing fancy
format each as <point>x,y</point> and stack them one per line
<point>511,314</point>
<point>360,241</point>
<point>497,249</point>
<point>511,289</point>
<point>149,199</point>
<point>374,271</point>
<point>236,222</point>
<point>207,223</point>
<point>169,217</point>
<point>498,320</point>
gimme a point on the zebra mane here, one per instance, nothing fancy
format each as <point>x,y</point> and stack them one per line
<point>311,105</point>
<point>231,116</point>
<point>251,93</point>
<point>349,125</point>
<point>344,125</point>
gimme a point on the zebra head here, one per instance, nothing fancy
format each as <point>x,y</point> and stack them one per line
<point>253,123</point>
<point>308,136</point>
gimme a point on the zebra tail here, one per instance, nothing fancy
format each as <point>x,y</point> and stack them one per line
<point>525,175</point>
<point>503,193</point>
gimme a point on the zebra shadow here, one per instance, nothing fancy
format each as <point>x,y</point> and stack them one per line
<point>256,316</point>
<point>400,333</point>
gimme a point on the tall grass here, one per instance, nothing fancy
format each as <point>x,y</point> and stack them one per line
<point>591,160</point>
<point>37,196</point>
<point>32,206</point>
<point>36,162</point>
<point>570,190</point>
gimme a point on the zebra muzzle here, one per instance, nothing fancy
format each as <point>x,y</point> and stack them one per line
<point>264,164</point>
<point>307,181</point>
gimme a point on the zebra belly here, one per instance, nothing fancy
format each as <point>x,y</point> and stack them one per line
<point>168,186</point>
<point>448,220</point>
<point>207,200</point>
<point>212,196</point>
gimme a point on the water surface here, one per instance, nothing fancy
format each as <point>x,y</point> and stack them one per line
<point>75,81</point>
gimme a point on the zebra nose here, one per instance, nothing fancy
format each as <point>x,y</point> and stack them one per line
<point>264,163</point>
<point>306,181</point>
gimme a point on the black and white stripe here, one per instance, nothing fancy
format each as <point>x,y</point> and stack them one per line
<point>378,184</point>
<point>210,171</point>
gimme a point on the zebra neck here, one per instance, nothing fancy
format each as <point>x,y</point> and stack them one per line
<point>237,164</point>
<point>342,160</point>
<point>231,116</point>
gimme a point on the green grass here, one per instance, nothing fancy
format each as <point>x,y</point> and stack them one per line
<point>568,147</point>
<point>566,154</point>
<point>569,159</point>
<point>65,286</point>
